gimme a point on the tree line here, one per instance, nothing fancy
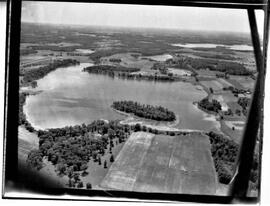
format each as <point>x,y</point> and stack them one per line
<point>224,152</point>
<point>126,73</point>
<point>244,102</point>
<point>232,68</point>
<point>107,69</point>
<point>158,113</point>
<point>22,117</point>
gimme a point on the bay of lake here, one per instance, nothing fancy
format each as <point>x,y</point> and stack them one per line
<point>70,96</point>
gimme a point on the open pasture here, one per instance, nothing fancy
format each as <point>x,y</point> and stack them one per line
<point>214,84</point>
<point>245,82</point>
<point>165,164</point>
<point>129,60</point>
<point>236,133</point>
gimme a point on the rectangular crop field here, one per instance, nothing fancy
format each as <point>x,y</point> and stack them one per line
<point>164,164</point>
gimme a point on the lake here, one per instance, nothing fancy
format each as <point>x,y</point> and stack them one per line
<point>85,51</point>
<point>70,96</point>
<point>237,47</point>
<point>161,58</point>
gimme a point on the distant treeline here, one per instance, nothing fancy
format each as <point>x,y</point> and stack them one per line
<point>126,73</point>
<point>115,60</point>
<point>232,68</point>
<point>145,111</point>
<point>27,51</point>
<point>148,77</point>
<point>215,56</point>
<point>55,48</point>
<point>213,106</point>
<point>109,69</point>
<point>34,74</point>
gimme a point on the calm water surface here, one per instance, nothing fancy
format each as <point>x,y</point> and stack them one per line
<point>71,97</point>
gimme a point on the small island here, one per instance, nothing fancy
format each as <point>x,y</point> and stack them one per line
<point>158,113</point>
<point>209,106</point>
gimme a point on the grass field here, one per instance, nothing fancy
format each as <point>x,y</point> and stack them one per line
<point>97,172</point>
<point>214,84</point>
<point>128,60</point>
<point>165,164</point>
<point>245,82</point>
<point>26,142</point>
<point>236,134</point>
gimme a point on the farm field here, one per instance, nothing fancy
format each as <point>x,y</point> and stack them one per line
<point>27,141</point>
<point>166,164</point>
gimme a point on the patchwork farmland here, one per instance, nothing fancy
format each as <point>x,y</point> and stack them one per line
<point>166,164</point>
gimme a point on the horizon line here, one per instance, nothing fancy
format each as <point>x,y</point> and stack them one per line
<point>136,27</point>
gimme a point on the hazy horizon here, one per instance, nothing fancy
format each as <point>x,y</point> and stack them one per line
<point>136,28</point>
<point>138,16</point>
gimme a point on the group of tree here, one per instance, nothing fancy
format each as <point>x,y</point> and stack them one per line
<point>137,128</point>
<point>108,69</point>
<point>127,73</point>
<point>22,117</point>
<point>115,60</point>
<point>224,152</point>
<point>27,51</point>
<point>161,67</point>
<point>235,90</point>
<point>244,102</point>
<point>34,74</point>
<point>70,148</point>
<point>148,77</point>
<point>232,68</point>
<point>54,48</point>
<point>158,113</point>
<point>212,106</point>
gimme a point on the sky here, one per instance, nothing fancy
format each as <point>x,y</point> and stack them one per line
<point>187,18</point>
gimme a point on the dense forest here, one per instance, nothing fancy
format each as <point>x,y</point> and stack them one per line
<point>244,102</point>
<point>231,68</point>
<point>148,77</point>
<point>224,153</point>
<point>108,69</point>
<point>146,111</point>
<point>115,60</point>
<point>34,74</point>
<point>70,148</point>
<point>22,118</point>
<point>213,106</point>
<point>126,73</point>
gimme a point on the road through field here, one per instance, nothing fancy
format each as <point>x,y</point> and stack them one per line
<point>165,164</point>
